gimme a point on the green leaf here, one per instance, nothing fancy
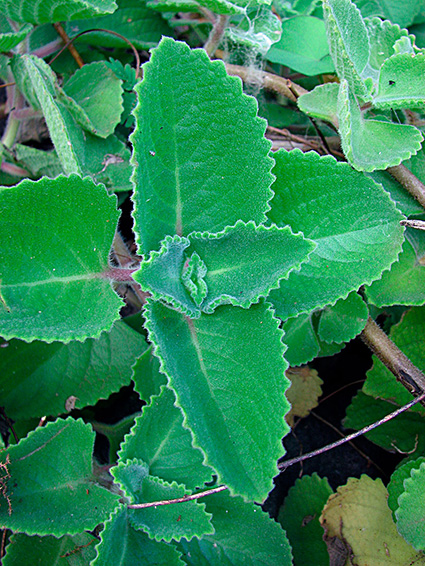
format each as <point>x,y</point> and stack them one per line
<point>307,57</point>
<point>58,498</point>
<point>398,12</point>
<point>244,534</point>
<point>56,376</point>
<point>178,5</point>
<point>122,544</point>
<point>115,433</point>
<point>373,144</point>
<point>401,82</point>
<point>77,550</point>
<point>49,11</point>
<point>39,162</point>
<point>10,37</point>
<point>358,515</point>
<point>241,445</point>
<point>147,377</point>
<point>321,102</point>
<point>133,20</point>
<point>344,320</point>
<point>257,30</point>
<point>300,339</point>
<point>410,513</point>
<point>304,392</point>
<point>382,37</point>
<point>396,484</point>
<point>186,154</point>
<point>403,200</point>
<point>97,92</point>
<point>159,438</point>
<point>165,522</point>
<point>299,516</point>
<point>43,257</point>
<point>348,44</point>
<point>354,246</point>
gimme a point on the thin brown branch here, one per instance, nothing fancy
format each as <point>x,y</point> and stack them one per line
<point>393,358</point>
<point>418,224</point>
<point>283,464</point>
<point>216,34</point>
<point>409,181</point>
<point>70,46</point>
<point>178,500</point>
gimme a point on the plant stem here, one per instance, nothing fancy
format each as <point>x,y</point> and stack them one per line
<point>179,500</point>
<point>216,34</point>
<point>269,81</point>
<point>393,358</point>
<point>409,181</point>
<point>70,46</point>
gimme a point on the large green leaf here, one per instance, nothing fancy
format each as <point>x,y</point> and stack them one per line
<point>307,57</point>
<point>401,13</point>
<point>344,320</point>
<point>58,377</point>
<point>348,43</point>
<point>237,266</point>
<point>164,522</point>
<point>300,339</point>
<point>404,201</point>
<point>147,376</point>
<point>121,544</point>
<point>352,220</point>
<point>77,550</point>
<point>321,102</point>
<point>10,37</point>
<point>48,484</point>
<point>299,516</point>
<point>244,534</point>
<point>373,144</point>
<point>396,484</point>
<point>47,254</point>
<point>159,438</point>
<point>382,37</point>
<point>202,160</point>
<point>410,513</point>
<point>49,11</point>
<point>133,20</point>
<point>242,445</point>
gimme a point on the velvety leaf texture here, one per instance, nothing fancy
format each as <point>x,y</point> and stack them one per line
<point>193,139</point>
<point>49,11</point>
<point>58,498</point>
<point>301,340</point>
<point>241,445</point>
<point>12,38</point>
<point>304,392</point>
<point>321,102</point>
<point>53,375</point>
<point>402,82</point>
<point>344,320</point>
<point>410,523</point>
<point>354,246</point>
<point>44,259</point>
<point>400,13</point>
<point>396,484</point>
<point>382,37</point>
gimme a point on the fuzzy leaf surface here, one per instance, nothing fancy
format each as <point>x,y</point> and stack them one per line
<point>61,497</point>
<point>359,516</point>
<point>306,57</point>
<point>236,522</point>
<point>397,12</point>
<point>353,247</point>
<point>410,513</point>
<point>301,340</point>
<point>165,522</point>
<point>147,376</point>
<point>242,446</point>
<point>396,484</point>
<point>44,259</point>
<point>321,102</point>
<point>97,92</point>
<point>304,392</point>
<point>344,320</point>
<point>53,374</point>
<point>404,201</point>
<point>373,144</point>
<point>193,139</point>
<point>121,544</point>
<point>9,37</point>
<point>77,550</point>
<point>299,517</point>
<point>382,36</point>
<point>159,438</point>
<point>50,11</point>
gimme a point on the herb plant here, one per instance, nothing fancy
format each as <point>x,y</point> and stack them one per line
<point>243,262</point>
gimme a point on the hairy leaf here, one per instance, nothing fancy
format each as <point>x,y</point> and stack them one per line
<point>404,201</point>
<point>410,513</point>
<point>344,320</point>
<point>44,257</point>
<point>304,392</point>
<point>242,445</point>
<point>382,37</point>
<point>47,479</point>
<point>354,246</point>
<point>401,82</point>
<point>186,153</point>
<point>299,516</point>
<point>396,484</point>
<point>398,12</point>
<point>147,377</point>
<point>10,37</point>
<point>321,102</point>
<point>49,11</point>
<point>301,340</point>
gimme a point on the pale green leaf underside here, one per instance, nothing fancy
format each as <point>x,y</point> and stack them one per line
<point>50,11</point>
<point>202,159</point>
<point>159,438</point>
<point>52,374</point>
<point>244,534</point>
<point>121,544</point>
<point>373,144</point>
<point>10,39</point>
<point>166,522</point>
<point>321,102</point>
<point>50,550</point>
<point>344,320</point>
<point>411,510</point>
<point>58,498</point>
<point>55,239</point>
<point>382,37</point>
<point>241,445</point>
<point>402,82</point>
<point>353,247</point>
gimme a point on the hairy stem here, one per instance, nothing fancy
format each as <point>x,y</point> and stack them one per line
<point>70,46</point>
<point>178,500</point>
<point>409,181</point>
<point>393,358</point>
<point>216,34</point>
